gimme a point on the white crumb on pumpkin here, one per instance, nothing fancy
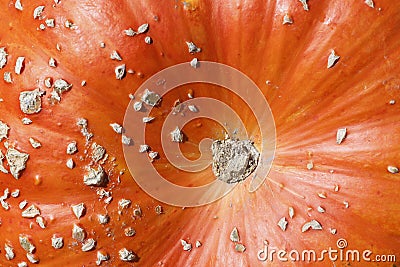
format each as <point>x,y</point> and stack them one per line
<point>19,65</point>
<point>143,28</point>
<point>30,101</point>
<point>26,121</point>
<point>291,212</point>
<point>37,12</point>
<point>282,223</point>
<point>370,3</point>
<point>103,219</point>
<point>18,5</point>
<point>3,130</point>
<point>22,204</point>
<point>117,128</point>
<point>34,143</point>
<point>137,106</point>
<point>26,244</point>
<point>193,48</point>
<point>79,210</point>
<point>305,5</point>
<point>9,252</point>
<point>31,212</point>
<point>120,72</point>
<point>3,57</point>
<point>332,59</point>
<point>89,245</point>
<point>148,40</point>
<point>32,258</point>
<point>147,119</point>
<point>124,203</point>
<point>287,19</point>
<point>78,233</point>
<point>313,224</point>
<point>50,23</point>
<point>393,169</point>
<point>341,135</point>
<point>234,235</point>
<point>101,256</point>
<point>7,77</point>
<point>193,108</point>
<point>98,152</point>
<point>130,32</point>
<point>41,222</point>
<point>17,161</point>
<point>115,55</point>
<point>127,255</point>
<point>127,140</point>
<point>95,177</point>
<point>143,148</point>
<point>185,245</point>
<point>194,63</point>
<point>57,242</point>
<point>72,148</point>
<point>70,163</point>
<point>151,98</point>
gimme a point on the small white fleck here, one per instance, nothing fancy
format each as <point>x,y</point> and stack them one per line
<point>143,28</point>
<point>3,130</point>
<point>370,3</point>
<point>153,155</point>
<point>115,55</point>
<point>50,23</point>
<point>194,63</point>
<point>186,246</point>
<point>101,256</point>
<point>48,82</point>
<point>177,135</point>
<point>287,19</point>
<point>18,5</point>
<point>282,223</point>
<point>70,163</point>
<point>22,204</point>
<point>322,195</point>
<point>120,72</point>
<point>127,140</point>
<point>333,231</point>
<point>127,255</point>
<point>79,210</point>
<point>313,224</point>
<point>38,12</point>
<point>34,143</point>
<point>150,98</point>
<point>143,148</point>
<point>78,233</point>
<point>320,209</point>
<point>31,212</point>
<point>124,203</point>
<point>310,165</point>
<point>103,219</point>
<point>391,169</point>
<point>22,264</point>
<point>26,121</point>
<point>193,108</point>
<point>41,222</point>
<point>17,161</point>
<point>130,32</point>
<point>102,45</point>
<point>15,193</point>
<point>148,40</point>
<point>341,135</point>
<point>7,77</point>
<point>291,212</point>
<point>332,59</point>
<point>137,106</point>
<point>305,5</point>
<point>9,252</point>
<point>57,242</point>
<point>19,65</point>
<point>346,204</point>
<point>193,48</point>
<point>32,258</point>
<point>198,244</point>
<point>83,83</point>
<point>95,177</point>
<point>72,148</point>
<point>234,235</point>
<point>30,101</point>
<point>147,119</point>
<point>3,57</point>
<point>117,128</point>
<point>89,245</point>
<point>52,62</point>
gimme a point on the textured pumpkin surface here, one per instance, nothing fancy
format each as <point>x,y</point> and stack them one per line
<point>309,101</point>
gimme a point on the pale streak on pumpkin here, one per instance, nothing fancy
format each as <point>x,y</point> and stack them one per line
<point>309,106</point>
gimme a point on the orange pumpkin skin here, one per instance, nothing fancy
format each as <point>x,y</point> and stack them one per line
<point>309,103</point>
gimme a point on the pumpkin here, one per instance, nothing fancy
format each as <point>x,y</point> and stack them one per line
<point>322,66</point>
